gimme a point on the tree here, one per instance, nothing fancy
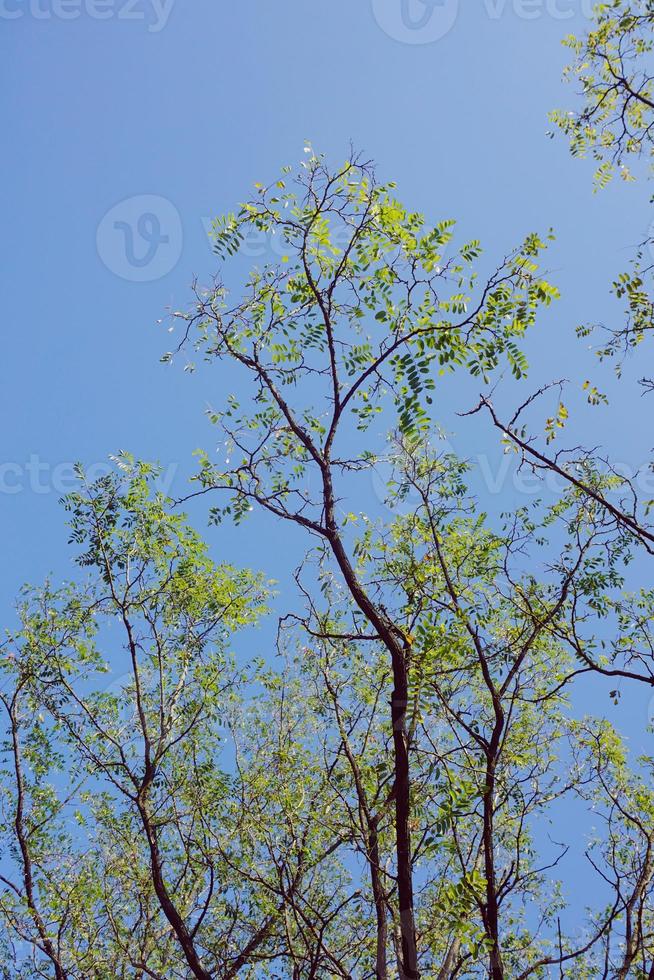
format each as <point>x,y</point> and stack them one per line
<point>615,123</point>
<point>613,67</point>
<point>339,341</point>
<point>241,822</point>
<point>356,257</point>
<point>156,876</point>
<point>375,802</point>
<point>492,660</point>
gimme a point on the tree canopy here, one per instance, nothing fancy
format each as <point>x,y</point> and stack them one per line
<point>393,776</point>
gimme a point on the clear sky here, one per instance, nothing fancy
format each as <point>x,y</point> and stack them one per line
<point>131,123</point>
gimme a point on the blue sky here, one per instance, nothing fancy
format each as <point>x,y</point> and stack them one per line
<point>130,124</point>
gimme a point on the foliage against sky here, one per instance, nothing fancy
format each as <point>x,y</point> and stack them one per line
<point>394,793</point>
